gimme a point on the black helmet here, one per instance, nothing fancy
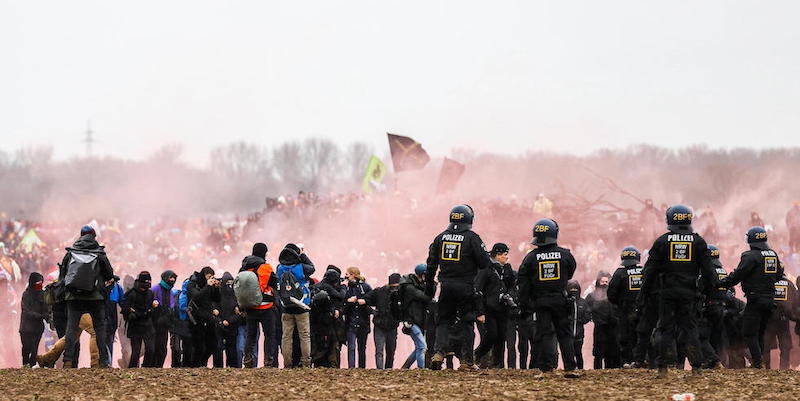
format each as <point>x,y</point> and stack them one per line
<point>756,235</point>
<point>679,219</point>
<point>630,256</point>
<point>461,216</point>
<point>714,253</point>
<point>545,232</point>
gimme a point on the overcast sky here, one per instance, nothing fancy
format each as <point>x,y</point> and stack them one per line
<point>503,76</point>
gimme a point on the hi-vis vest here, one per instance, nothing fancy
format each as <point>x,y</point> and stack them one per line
<point>264,272</point>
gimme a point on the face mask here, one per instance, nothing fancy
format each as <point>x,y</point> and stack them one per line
<point>144,286</point>
<point>38,286</point>
<point>573,293</point>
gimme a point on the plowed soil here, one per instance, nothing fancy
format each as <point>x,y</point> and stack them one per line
<point>329,384</point>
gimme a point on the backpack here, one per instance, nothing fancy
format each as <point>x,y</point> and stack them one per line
<point>82,271</point>
<point>291,291</point>
<point>183,301</point>
<point>396,304</point>
<point>247,289</point>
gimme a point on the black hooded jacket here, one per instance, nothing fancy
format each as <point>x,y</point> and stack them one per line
<point>332,284</point>
<point>415,302</point>
<point>137,311</point>
<point>34,310</point>
<point>492,283</point>
<point>227,305</point>
<point>88,244</point>
<point>202,298</point>
<point>603,311</point>
<point>581,313</point>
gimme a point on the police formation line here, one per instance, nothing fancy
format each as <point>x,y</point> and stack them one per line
<point>679,305</point>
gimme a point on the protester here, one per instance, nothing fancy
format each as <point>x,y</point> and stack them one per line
<point>357,318</point>
<point>138,314</point>
<point>34,314</point>
<point>294,271</point>
<point>388,310</point>
<point>163,317</point>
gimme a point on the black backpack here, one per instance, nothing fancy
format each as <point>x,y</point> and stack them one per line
<point>82,271</point>
<point>396,304</point>
<point>289,288</point>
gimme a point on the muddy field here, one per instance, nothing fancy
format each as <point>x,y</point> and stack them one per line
<point>284,385</point>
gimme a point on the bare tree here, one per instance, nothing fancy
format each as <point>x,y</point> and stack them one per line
<point>355,159</point>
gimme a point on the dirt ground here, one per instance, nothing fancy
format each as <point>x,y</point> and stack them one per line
<point>327,384</point>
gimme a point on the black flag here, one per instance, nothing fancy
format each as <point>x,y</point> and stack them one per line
<point>450,175</point>
<point>407,154</point>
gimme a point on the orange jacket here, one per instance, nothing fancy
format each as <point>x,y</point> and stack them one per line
<point>264,272</point>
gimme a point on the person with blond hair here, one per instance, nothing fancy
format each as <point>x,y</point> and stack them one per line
<point>357,318</point>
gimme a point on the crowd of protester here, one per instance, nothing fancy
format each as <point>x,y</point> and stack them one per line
<point>168,297</point>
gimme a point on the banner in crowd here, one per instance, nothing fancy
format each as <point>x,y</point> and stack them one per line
<point>407,154</point>
<point>373,176</point>
<point>450,175</point>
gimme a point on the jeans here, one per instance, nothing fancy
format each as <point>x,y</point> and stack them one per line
<point>266,320</point>
<point>357,339</point>
<point>385,339</point>
<point>419,346</point>
<point>97,311</point>
<point>242,339</point>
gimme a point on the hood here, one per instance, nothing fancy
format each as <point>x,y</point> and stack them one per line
<point>332,277</point>
<point>88,243</point>
<point>34,278</point>
<point>168,274</point>
<point>198,279</point>
<point>601,274</point>
<point>289,257</point>
<point>252,262</point>
<point>573,284</point>
<point>227,276</point>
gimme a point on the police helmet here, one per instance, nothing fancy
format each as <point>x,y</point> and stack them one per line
<point>679,219</point>
<point>420,269</point>
<point>714,253</point>
<point>545,232</point>
<point>756,235</point>
<point>461,216</point>
<point>630,256</point>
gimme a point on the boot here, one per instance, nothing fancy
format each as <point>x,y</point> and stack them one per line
<point>572,374</point>
<point>436,361</point>
<point>68,365</point>
<point>45,363</point>
<point>697,372</point>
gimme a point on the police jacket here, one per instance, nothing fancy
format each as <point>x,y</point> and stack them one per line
<point>492,283</point>
<point>758,271</point>
<point>678,260</point>
<point>544,272</point>
<point>625,286</point>
<point>719,293</point>
<point>786,300</point>
<point>459,253</point>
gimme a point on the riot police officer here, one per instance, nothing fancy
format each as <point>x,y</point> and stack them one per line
<point>677,259</point>
<point>758,270</point>
<point>777,332</point>
<point>714,314</point>
<point>542,280</point>
<point>456,254</point>
<point>624,287</point>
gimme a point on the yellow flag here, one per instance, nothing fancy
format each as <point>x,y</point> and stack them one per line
<point>373,177</point>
